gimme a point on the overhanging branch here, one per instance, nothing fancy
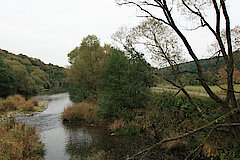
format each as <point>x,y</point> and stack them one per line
<point>214,122</point>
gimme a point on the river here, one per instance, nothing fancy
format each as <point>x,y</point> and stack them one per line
<point>65,140</point>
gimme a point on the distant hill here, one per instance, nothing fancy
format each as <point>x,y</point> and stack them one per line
<point>210,66</point>
<point>27,76</point>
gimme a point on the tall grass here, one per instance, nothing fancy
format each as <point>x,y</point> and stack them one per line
<point>18,102</point>
<point>81,112</point>
<point>117,125</point>
<point>18,142</point>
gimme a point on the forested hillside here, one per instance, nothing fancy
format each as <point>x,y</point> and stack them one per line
<point>27,76</point>
<point>212,67</point>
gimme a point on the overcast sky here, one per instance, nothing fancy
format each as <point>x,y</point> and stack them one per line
<point>50,29</point>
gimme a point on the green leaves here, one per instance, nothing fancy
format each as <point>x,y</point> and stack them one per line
<point>125,84</point>
<point>84,74</point>
<point>27,76</point>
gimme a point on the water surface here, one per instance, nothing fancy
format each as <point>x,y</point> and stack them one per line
<point>65,140</point>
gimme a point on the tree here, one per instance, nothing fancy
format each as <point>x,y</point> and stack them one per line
<point>161,42</point>
<point>73,55</point>
<point>235,38</point>
<point>162,11</point>
<point>196,9</point>
<point>7,80</point>
<point>84,73</point>
<point>125,84</point>
<point>113,90</point>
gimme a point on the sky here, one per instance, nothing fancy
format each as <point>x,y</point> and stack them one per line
<point>50,29</point>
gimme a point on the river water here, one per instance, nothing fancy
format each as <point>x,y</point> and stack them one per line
<point>65,140</point>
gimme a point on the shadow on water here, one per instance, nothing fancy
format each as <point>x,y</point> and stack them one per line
<point>84,139</point>
<point>65,140</point>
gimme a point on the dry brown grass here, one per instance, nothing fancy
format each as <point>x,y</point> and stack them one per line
<point>100,155</point>
<point>117,125</point>
<point>18,102</point>
<point>81,112</point>
<point>28,106</point>
<point>18,141</point>
<point>177,144</point>
<point>7,105</point>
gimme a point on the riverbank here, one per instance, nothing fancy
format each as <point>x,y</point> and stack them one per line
<point>165,117</point>
<point>17,106</point>
<point>19,141</point>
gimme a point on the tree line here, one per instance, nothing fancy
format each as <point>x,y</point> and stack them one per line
<point>213,68</point>
<point>28,76</point>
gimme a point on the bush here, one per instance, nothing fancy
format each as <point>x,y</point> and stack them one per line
<point>34,102</point>
<point>170,116</point>
<point>81,112</point>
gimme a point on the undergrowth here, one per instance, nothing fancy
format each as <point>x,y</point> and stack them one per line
<point>18,142</point>
<point>18,103</point>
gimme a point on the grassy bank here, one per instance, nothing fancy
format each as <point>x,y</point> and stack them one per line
<point>15,105</point>
<point>197,89</point>
<point>18,142</point>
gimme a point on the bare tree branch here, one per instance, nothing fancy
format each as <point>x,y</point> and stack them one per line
<point>188,97</point>
<point>209,134</point>
<point>225,88</point>
<point>214,122</point>
<point>144,10</point>
<point>218,36</point>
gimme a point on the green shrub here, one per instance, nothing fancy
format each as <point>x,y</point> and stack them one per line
<point>125,84</point>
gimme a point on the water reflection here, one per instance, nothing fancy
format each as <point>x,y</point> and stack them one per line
<point>65,140</point>
<point>83,139</point>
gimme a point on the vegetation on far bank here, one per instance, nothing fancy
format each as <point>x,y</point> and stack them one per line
<point>28,76</point>
<point>19,141</point>
<point>196,89</point>
<point>214,70</point>
<point>15,105</point>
